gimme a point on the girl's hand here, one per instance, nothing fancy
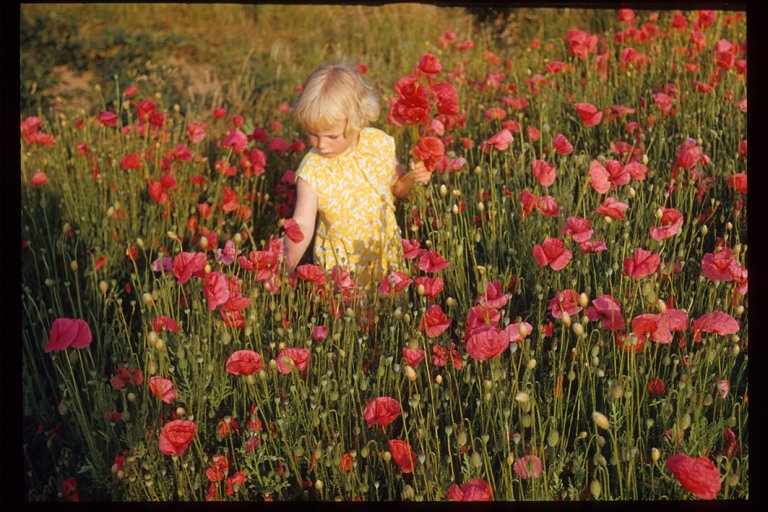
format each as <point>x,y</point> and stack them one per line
<point>420,173</point>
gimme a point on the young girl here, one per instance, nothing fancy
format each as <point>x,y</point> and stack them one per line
<point>346,184</point>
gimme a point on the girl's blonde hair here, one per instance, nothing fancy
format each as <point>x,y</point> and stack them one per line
<point>336,93</point>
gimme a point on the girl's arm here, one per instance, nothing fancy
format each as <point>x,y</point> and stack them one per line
<point>305,215</point>
<point>404,183</point>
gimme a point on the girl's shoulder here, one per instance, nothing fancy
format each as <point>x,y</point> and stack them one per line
<point>374,140</point>
<point>312,163</point>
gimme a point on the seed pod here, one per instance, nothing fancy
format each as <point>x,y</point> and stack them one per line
<point>522,397</point>
<point>566,319</point>
<point>578,329</point>
<point>595,489</point>
<point>476,460</point>
<point>461,438</point>
<point>655,454</point>
<point>553,438</point>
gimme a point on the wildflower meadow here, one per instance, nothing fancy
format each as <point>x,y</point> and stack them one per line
<point>572,324</point>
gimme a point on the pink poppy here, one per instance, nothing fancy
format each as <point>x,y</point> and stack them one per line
<point>68,333</point>
<point>578,228</point>
<point>517,331</point>
<point>196,132</point>
<point>474,490</point>
<point>493,296</point>
<point>720,265</point>
<point>431,261</point>
<point>412,249</point>
<point>501,140</point>
<point>413,357</point>
<point>717,322</point>
<point>434,321</point>
<point>187,265</point>
<point>698,475</point>
<point>543,172</point>
<point>565,300</point>
<point>552,252</point>
<point>592,246</point>
<point>528,466</point>
<point>108,119</point>
<point>236,140</point>
<point>319,332</point>
<point>299,356</point>
<point>612,208</point>
<point>244,362</point>
<point>215,289</point>
<point>588,113</point>
<point>548,206</point>
<point>642,263</point>
<point>599,177</point>
<point>608,311</point>
<point>660,327</point>
<point>176,436</point>
<point>486,343</point>
<point>381,411</point>
<point>636,170</point>
<point>495,114</point>
<point>562,145</point>
<point>162,388</point>
<point>432,285</point>
<point>671,220</point>
<point>403,455</point>
<point>395,281</point>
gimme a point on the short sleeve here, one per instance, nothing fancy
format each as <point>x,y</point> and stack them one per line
<point>386,159</point>
<point>308,171</point>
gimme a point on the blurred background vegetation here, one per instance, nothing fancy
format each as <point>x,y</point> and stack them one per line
<point>204,55</point>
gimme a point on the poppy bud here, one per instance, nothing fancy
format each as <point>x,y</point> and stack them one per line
<point>420,290</point>
<point>510,459</point>
<point>478,170</point>
<point>387,456</point>
<point>566,319</point>
<point>63,408</point>
<point>131,397</point>
<point>661,306</point>
<point>583,300</point>
<point>147,298</point>
<point>410,373</point>
<point>531,364</point>
<point>704,230</point>
<point>103,286</point>
<point>319,485</point>
<point>522,397</point>
<point>600,420</point>
<point>578,329</point>
<point>443,190</point>
<point>595,489</point>
<point>439,379</point>
<point>451,302</point>
<point>632,192</point>
<point>655,454</point>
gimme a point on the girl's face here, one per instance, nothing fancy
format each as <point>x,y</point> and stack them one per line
<point>332,142</point>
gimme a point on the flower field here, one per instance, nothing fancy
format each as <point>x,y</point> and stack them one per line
<point>572,323</point>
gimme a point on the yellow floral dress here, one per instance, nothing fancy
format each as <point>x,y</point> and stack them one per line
<point>356,225</point>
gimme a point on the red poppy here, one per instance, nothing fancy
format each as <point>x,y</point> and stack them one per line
<point>447,99</point>
<point>486,343</point>
<point>395,281</point>
<point>431,261</point>
<point>381,411</point>
<point>552,252</point>
<point>495,114</point>
<point>434,321</point>
<point>187,265</point>
<point>403,455</point>
<point>108,119</point>
<point>592,246</point>
<point>413,357</point>
<point>312,273</point>
<point>543,172</point>
<point>429,150</point>
<point>717,322</point>
<point>660,326</point>
<point>588,113</point>
<point>580,43</point>
<point>319,332</point>
<point>698,475</point>
<point>38,179</point>
<point>562,145</point>
<point>244,362</point>
<point>528,466</point>
<point>412,249</point>
<point>176,436</point>
<point>218,469</point>
<point>412,107</point>
<point>636,170</point>
<point>474,490</point>
<point>671,220</point>
<point>565,300</point>
<point>299,357</point>
<point>656,387</point>
<point>231,314</point>
<point>430,64</point>
<point>533,133</point>
<point>501,140</point>
<point>68,333</point>
<point>528,202</point>
<point>162,388</point>
<point>578,228</point>
<point>612,208</point>
<point>642,263</point>
<point>130,161</point>
<point>293,231</point>
<point>515,103</point>
<point>432,285</point>
<point>161,322</point>
<point>548,206</point>
<point>608,311</point>
<point>599,177</point>
<point>69,489</point>
<point>737,182</point>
